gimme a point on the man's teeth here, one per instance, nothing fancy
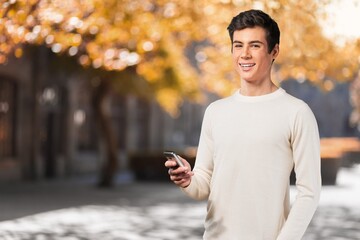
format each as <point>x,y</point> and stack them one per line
<point>247,65</point>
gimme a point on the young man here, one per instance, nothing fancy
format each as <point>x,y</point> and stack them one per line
<point>249,144</point>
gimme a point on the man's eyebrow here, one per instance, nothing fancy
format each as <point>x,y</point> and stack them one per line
<point>251,42</point>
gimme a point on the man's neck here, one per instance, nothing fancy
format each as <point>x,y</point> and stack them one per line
<point>248,89</point>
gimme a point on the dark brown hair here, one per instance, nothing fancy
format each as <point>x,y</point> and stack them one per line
<point>253,18</point>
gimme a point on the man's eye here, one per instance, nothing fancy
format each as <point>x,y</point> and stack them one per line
<point>255,46</point>
<point>238,46</point>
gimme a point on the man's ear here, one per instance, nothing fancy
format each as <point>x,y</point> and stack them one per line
<point>275,51</point>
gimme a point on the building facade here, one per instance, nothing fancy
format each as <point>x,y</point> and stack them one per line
<point>47,127</point>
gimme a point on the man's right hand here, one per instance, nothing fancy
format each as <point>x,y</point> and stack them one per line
<point>181,176</point>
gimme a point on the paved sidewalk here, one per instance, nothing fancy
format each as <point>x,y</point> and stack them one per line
<point>75,209</point>
<point>22,199</point>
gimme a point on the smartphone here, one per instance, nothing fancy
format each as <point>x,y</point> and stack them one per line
<point>173,155</point>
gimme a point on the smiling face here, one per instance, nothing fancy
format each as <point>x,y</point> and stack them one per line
<point>251,57</point>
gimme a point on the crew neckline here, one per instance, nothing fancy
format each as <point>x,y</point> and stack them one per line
<point>266,97</point>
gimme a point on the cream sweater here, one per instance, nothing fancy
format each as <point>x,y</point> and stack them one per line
<point>248,147</point>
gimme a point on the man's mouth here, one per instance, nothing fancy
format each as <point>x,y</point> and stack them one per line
<point>247,65</point>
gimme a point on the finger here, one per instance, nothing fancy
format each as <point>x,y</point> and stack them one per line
<point>183,182</point>
<point>180,177</point>
<point>170,163</point>
<point>180,170</point>
<point>176,177</point>
<point>170,172</point>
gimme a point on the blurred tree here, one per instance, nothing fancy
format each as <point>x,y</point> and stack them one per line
<point>122,43</point>
<point>305,53</point>
<point>139,46</point>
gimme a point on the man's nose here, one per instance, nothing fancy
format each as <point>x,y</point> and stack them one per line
<point>245,53</point>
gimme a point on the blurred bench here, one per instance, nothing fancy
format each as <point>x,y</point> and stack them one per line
<point>335,153</point>
<point>329,170</point>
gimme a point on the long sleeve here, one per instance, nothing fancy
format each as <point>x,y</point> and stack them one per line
<point>247,149</point>
<point>306,154</point>
<point>199,187</point>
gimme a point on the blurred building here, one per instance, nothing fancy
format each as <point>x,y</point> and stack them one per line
<point>332,109</point>
<point>47,127</point>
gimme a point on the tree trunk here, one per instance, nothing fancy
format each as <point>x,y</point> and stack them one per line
<point>106,133</point>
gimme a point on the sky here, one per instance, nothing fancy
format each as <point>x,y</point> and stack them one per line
<point>343,21</point>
